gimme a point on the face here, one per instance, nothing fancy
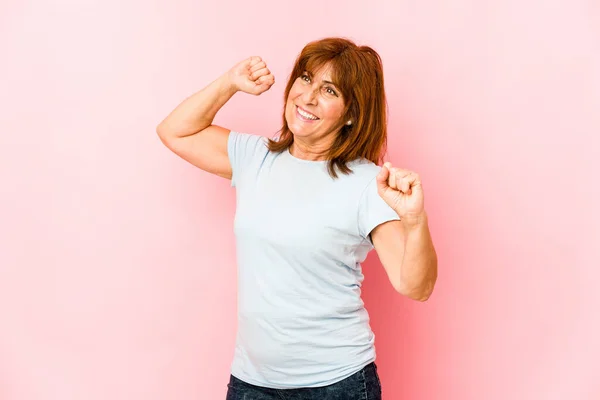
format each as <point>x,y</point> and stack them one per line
<point>314,105</point>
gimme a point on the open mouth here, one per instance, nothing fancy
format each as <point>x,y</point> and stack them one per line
<point>305,115</point>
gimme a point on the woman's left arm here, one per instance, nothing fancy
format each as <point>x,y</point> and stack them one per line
<point>405,248</point>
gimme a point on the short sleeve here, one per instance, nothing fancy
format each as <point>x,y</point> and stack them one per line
<point>242,149</point>
<point>373,211</point>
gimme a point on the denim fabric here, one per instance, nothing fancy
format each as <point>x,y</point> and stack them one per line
<point>363,385</point>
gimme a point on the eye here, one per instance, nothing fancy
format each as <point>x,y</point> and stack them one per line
<point>331,91</point>
<point>305,77</point>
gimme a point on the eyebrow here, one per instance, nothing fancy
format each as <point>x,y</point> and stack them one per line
<point>324,81</point>
<point>331,83</point>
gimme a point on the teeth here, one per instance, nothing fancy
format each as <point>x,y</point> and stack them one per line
<point>306,115</point>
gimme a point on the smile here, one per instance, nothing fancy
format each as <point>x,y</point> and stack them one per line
<point>305,115</point>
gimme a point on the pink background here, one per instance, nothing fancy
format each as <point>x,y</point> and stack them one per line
<point>117,258</point>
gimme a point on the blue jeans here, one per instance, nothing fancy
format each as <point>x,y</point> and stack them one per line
<point>363,385</point>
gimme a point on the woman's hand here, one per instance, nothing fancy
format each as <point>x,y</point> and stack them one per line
<point>401,189</point>
<point>251,76</point>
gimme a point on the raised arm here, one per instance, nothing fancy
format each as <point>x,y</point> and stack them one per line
<point>188,129</point>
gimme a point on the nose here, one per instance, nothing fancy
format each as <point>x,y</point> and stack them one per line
<point>310,95</point>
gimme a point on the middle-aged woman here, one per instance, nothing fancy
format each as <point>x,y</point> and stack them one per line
<point>311,203</point>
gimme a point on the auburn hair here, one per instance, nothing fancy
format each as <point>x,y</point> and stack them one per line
<point>357,71</point>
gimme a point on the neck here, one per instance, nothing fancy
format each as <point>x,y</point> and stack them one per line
<point>310,151</point>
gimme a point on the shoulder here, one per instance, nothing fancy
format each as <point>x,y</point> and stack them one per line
<point>364,171</point>
<point>247,139</point>
<point>360,181</point>
<point>244,145</point>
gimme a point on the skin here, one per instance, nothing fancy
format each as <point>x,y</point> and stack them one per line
<point>322,99</point>
<point>405,247</point>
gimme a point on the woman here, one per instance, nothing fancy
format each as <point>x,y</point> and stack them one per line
<point>310,206</point>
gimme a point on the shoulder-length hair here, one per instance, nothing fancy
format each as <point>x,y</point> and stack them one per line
<point>358,73</point>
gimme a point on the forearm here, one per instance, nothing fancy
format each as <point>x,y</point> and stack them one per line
<point>198,111</point>
<point>419,265</point>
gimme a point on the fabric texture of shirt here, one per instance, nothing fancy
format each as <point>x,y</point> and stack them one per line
<point>301,237</point>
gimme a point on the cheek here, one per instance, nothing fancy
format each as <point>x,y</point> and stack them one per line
<point>294,92</point>
<point>289,107</point>
<point>334,110</point>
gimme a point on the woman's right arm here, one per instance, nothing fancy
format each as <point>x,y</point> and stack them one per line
<point>188,129</point>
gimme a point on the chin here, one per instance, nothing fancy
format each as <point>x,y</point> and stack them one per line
<point>297,132</point>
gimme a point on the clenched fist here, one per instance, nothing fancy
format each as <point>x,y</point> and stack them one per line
<point>251,76</point>
<point>402,190</point>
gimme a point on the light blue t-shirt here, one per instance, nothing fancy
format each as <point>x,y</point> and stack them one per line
<point>300,239</point>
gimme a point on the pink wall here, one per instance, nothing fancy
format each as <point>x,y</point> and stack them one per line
<point>117,274</point>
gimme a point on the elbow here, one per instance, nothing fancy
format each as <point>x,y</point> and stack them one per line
<point>417,295</point>
<point>422,289</point>
<point>420,292</point>
<point>423,298</point>
<point>161,131</point>
<point>166,130</point>
<point>166,136</point>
